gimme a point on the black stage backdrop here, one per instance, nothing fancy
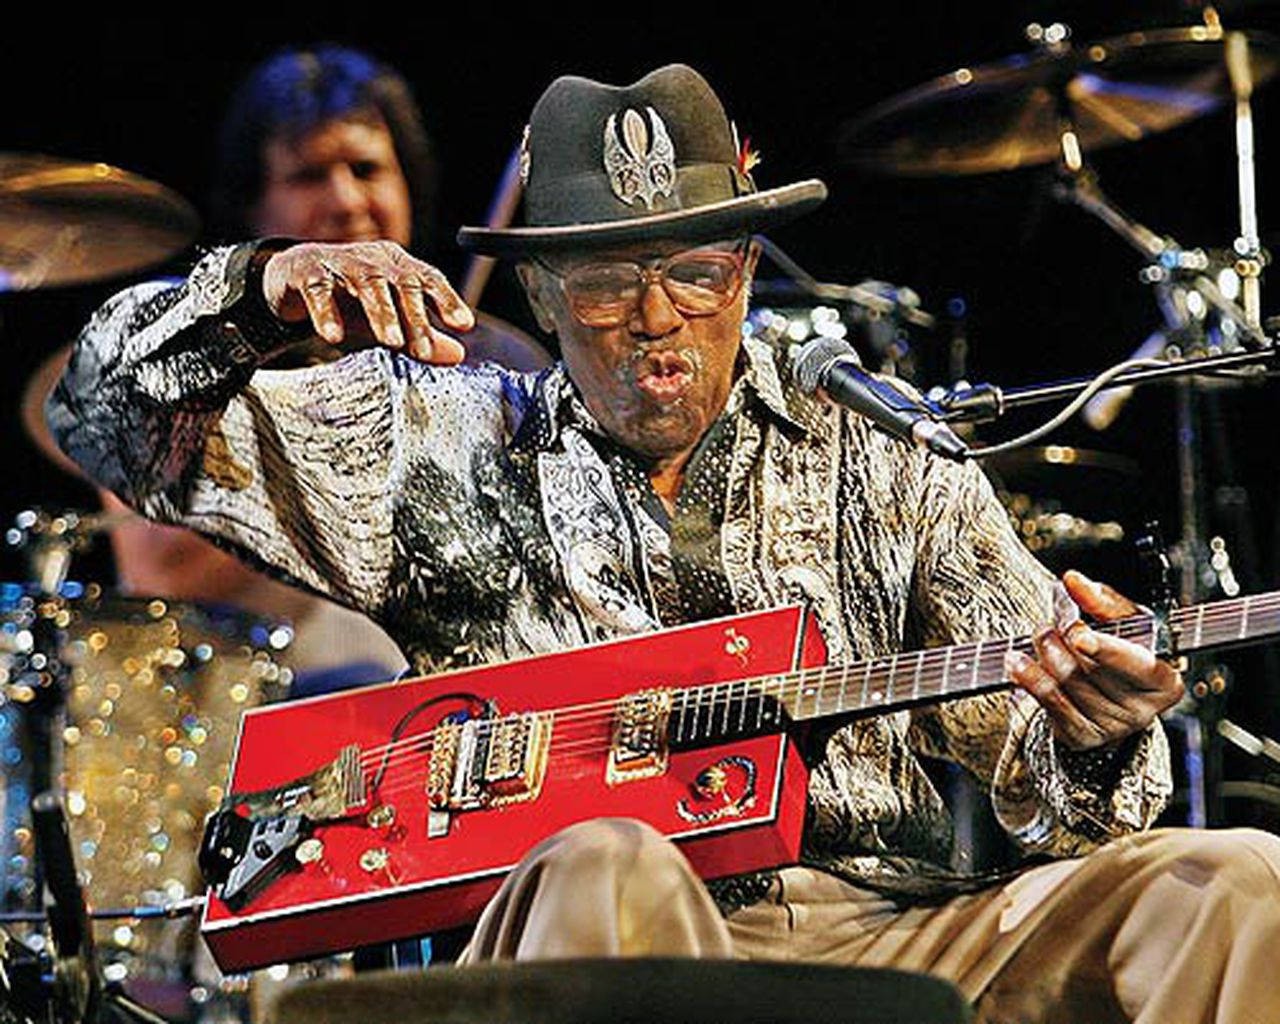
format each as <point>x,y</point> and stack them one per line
<point>1050,292</point>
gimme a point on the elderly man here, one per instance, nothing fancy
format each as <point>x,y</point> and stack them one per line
<point>669,471</point>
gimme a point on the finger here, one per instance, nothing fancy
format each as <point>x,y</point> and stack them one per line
<point>379,308</point>
<point>1098,599</point>
<point>1116,714</point>
<point>317,294</point>
<point>413,309</point>
<point>446,350</point>
<point>1134,664</point>
<point>1054,655</point>
<point>1068,721</point>
<point>453,311</point>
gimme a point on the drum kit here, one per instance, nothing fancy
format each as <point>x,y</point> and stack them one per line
<point>119,713</point>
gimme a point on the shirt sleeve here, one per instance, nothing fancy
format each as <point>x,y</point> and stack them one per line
<point>975,580</point>
<point>162,402</point>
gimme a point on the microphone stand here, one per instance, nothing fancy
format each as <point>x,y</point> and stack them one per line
<point>985,403</point>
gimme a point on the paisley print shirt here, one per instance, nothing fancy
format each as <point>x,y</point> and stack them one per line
<point>481,515</point>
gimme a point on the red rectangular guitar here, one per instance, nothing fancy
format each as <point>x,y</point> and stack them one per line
<point>396,810</point>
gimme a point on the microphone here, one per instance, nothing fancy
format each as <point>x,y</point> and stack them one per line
<point>830,367</point>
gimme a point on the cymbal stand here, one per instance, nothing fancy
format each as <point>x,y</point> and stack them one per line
<point>1194,292</point>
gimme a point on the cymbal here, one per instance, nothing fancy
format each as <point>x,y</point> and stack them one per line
<point>64,222</point>
<point>1008,114</point>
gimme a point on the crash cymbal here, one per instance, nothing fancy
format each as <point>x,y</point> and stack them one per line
<point>64,222</point>
<point>1009,113</point>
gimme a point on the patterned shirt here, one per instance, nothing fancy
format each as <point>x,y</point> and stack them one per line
<point>481,515</point>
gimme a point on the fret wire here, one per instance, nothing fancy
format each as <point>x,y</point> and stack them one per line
<point>977,659</point>
<point>1244,621</point>
<point>946,671</point>
<point>1199,627</point>
<point>866,682</point>
<point>844,682</point>
<point>915,679</point>
<point>742,706</point>
<point>888,683</point>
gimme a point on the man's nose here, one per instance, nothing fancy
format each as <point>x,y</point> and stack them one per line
<point>346,194</point>
<point>656,315</point>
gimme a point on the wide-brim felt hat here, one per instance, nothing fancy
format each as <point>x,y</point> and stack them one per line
<point>607,166</point>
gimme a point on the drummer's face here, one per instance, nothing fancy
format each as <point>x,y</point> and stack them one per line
<point>339,182</point>
<point>659,379</point>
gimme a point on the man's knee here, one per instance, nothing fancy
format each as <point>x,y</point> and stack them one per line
<point>618,844</point>
<point>1244,861</point>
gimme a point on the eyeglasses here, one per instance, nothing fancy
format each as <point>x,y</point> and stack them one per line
<point>699,282</point>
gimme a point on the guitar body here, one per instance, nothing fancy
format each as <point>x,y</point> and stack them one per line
<point>402,867</point>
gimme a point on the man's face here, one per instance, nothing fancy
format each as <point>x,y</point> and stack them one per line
<point>657,380</point>
<point>339,182</point>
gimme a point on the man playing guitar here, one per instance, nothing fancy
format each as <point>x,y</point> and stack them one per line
<point>669,471</point>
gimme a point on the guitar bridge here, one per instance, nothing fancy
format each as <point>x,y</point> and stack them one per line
<point>639,748</point>
<point>488,762</point>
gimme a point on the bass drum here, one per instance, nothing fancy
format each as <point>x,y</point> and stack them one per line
<point>154,694</point>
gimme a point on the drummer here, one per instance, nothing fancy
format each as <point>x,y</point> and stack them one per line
<point>323,144</point>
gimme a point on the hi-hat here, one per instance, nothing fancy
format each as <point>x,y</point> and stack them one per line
<point>64,222</point>
<point>1011,113</point>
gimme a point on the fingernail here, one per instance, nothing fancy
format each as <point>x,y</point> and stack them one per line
<point>395,338</point>
<point>1065,610</point>
<point>332,332</point>
<point>1083,639</point>
<point>1015,662</point>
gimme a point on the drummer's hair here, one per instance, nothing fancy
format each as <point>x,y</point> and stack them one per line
<point>294,91</point>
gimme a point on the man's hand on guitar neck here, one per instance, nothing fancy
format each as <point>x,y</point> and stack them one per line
<point>1098,689</point>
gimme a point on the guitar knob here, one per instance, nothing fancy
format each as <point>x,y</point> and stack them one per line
<point>309,851</point>
<point>375,859</point>
<point>382,816</point>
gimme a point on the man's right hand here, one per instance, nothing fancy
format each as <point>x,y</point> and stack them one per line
<point>367,290</point>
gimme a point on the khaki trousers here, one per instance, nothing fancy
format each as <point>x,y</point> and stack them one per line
<point>1161,927</point>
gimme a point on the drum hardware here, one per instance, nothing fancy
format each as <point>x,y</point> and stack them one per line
<point>1054,106</point>
<point>135,701</point>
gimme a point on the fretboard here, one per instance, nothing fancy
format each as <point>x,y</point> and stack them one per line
<point>938,673</point>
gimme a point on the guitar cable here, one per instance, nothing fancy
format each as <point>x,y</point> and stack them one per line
<point>414,712</point>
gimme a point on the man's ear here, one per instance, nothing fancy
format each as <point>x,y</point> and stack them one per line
<point>535,290</point>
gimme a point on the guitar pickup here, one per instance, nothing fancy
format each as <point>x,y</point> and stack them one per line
<point>488,762</point>
<point>639,747</point>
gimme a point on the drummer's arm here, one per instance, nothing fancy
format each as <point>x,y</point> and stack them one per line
<point>291,469</point>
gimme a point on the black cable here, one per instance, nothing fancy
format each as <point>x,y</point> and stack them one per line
<point>403,724</point>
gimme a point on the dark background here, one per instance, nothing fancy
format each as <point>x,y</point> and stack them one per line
<point>1050,291</point>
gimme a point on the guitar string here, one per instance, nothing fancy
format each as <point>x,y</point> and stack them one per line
<point>777,686</point>
<point>930,659</point>
<point>597,740</point>
<point>728,696</point>
<point>820,676</point>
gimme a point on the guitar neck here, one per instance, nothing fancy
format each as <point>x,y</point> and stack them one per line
<point>937,673</point>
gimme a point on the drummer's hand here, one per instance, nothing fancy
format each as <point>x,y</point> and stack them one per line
<point>363,290</point>
<point>1097,688</point>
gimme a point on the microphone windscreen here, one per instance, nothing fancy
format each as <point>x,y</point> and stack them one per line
<point>811,362</point>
